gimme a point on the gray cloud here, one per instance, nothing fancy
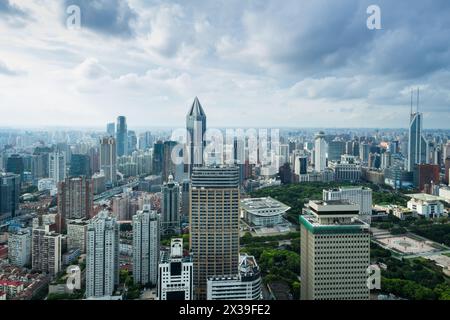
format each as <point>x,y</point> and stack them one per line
<point>5,70</point>
<point>6,8</point>
<point>109,17</point>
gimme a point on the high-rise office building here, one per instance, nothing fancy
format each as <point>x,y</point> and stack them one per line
<point>15,164</point>
<point>175,274</point>
<point>336,149</point>
<point>9,195</point>
<point>80,165</point>
<point>364,152</point>
<point>132,142</point>
<point>320,152</point>
<point>102,256</point>
<point>146,246</point>
<point>185,187</point>
<point>57,166</point>
<point>214,223</point>
<point>19,247</point>
<point>39,165</point>
<point>122,136</point>
<point>417,144</point>
<point>158,158</point>
<point>46,250</point>
<point>75,199</point>
<point>300,164</point>
<point>334,251</point>
<point>170,207</point>
<point>145,140</point>
<point>196,128</point>
<point>111,129</point>
<point>108,159</point>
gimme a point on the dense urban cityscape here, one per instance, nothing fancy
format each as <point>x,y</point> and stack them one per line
<point>231,155</point>
<point>111,215</point>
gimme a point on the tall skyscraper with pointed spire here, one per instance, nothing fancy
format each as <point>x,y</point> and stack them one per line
<point>196,128</point>
<point>417,144</point>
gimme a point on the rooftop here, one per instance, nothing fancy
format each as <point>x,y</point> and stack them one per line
<point>258,204</point>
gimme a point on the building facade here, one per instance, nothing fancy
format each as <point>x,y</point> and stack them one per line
<point>246,285</point>
<point>102,256</point>
<point>170,207</point>
<point>146,246</point>
<point>214,223</point>
<point>334,251</point>
<point>175,274</point>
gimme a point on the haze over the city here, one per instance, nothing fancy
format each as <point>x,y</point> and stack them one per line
<point>253,63</point>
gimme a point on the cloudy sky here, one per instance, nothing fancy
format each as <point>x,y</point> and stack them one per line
<point>290,63</point>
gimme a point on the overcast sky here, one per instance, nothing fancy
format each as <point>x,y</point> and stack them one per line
<point>299,63</point>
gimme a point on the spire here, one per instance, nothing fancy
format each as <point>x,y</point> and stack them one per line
<point>411,101</point>
<point>196,109</point>
<point>418,90</point>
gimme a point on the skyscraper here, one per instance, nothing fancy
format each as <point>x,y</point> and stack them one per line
<point>417,144</point>
<point>80,165</point>
<point>15,164</point>
<point>9,195</point>
<point>196,128</point>
<point>102,256</point>
<point>57,166</point>
<point>132,142</point>
<point>108,159</point>
<point>111,129</point>
<point>122,136</point>
<point>170,207</point>
<point>75,199</point>
<point>320,158</point>
<point>158,157</point>
<point>334,252</point>
<point>146,239</point>
<point>214,223</point>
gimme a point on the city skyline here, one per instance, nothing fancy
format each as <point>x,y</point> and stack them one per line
<point>130,58</point>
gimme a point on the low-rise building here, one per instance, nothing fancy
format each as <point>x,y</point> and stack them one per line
<point>244,286</point>
<point>425,205</point>
<point>175,274</point>
<point>263,212</point>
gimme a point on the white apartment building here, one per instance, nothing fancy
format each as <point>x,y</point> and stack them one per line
<point>320,152</point>
<point>146,246</point>
<point>102,256</point>
<point>335,252</point>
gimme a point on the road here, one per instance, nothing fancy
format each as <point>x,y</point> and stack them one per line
<point>115,191</point>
